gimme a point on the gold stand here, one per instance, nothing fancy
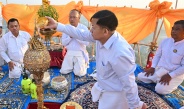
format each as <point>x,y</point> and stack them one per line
<point>38,78</point>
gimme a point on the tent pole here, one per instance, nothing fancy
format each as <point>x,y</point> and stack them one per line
<point>136,44</point>
<point>154,35</point>
<point>139,54</point>
<point>159,31</point>
<point>176,4</point>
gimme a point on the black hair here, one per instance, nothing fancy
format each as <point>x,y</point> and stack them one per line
<point>181,22</point>
<point>106,19</point>
<point>12,20</point>
<point>1,27</point>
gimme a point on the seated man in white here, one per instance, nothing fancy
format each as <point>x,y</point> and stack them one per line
<point>167,69</point>
<point>76,58</point>
<point>13,46</point>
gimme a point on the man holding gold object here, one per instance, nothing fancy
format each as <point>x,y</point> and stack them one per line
<point>115,62</point>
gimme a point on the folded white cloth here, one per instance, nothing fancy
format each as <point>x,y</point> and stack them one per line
<point>16,72</point>
<point>96,92</point>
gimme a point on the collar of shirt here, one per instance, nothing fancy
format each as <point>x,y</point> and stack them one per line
<point>10,34</point>
<point>182,41</point>
<point>110,41</point>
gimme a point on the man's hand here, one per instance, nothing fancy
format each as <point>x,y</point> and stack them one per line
<point>165,79</point>
<point>11,65</point>
<point>144,106</point>
<point>0,68</point>
<point>149,72</point>
<point>52,24</point>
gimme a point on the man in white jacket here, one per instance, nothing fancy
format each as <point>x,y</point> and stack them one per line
<point>167,69</point>
<point>115,62</point>
<point>76,58</point>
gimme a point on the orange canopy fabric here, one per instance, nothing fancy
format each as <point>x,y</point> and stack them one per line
<point>27,14</point>
<point>134,24</point>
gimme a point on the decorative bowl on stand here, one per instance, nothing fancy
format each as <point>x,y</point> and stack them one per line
<point>48,33</point>
<point>48,36</point>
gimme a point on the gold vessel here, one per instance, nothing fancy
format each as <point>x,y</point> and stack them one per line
<point>37,58</point>
<point>37,61</point>
<point>48,34</point>
<point>46,10</point>
<point>41,22</point>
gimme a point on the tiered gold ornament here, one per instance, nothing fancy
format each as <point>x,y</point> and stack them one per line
<point>37,61</point>
<point>46,10</point>
<point>48,34</point>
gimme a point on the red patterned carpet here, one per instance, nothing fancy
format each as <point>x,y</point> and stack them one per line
<point>82,96</point>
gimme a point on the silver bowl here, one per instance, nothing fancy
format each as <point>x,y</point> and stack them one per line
<point>59,83</point>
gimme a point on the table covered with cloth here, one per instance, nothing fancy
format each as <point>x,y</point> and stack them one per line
<point>11,96</point>
<point>57,57</point>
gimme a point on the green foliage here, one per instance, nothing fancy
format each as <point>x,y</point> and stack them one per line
<point>48,11</point>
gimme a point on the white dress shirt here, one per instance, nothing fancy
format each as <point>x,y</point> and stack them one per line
<point>115,63</point>
<point>75,44</point>
<point>170,55</point>
<point>13,48</point>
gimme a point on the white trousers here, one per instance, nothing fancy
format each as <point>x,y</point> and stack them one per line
<point>109,100</point>
<point>74,61</point>
<point>113,100</point>
<point>155,78</point>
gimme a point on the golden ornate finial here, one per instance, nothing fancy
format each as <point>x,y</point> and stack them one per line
<point>45,2</point>
<point>47,10</point>
<point>34,43</point>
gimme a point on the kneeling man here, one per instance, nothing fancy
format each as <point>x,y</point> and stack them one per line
<point>168,64</point>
